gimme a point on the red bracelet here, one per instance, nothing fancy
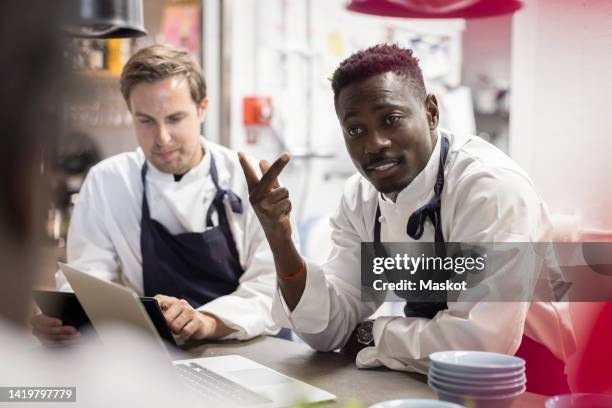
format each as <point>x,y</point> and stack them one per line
<point>294,276</point>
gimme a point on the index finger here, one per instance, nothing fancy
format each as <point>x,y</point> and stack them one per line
<point>265,166</point>
<point>161,298</point>
<point>164,301</point>
<point>172,312</point>
<point>249,172</point>
<point>44,320</point>
<point>270,176</point>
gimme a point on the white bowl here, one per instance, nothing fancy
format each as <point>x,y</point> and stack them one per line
<point>415,403</point>
<point>512,381</point>
<point>580,401</point>
<point>476,391</point>
<point>472,402</point>
<point>477,361</point>
<point>487,397</point>
<point>485,377</point>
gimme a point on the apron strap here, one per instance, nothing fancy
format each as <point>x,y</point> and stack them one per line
<point>415,230</point>
<point>145,203</point>
<point>377,225</point>
<point>234,200</point>
<point>431,210</point>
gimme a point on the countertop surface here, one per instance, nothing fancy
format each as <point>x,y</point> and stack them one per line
<point>333,372</point>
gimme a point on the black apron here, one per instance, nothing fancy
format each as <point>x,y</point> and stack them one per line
<point>415,228</point>
<point>195,266</point>
<point>544,371</point>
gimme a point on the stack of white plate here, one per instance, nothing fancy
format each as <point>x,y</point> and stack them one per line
<point>476,378</point>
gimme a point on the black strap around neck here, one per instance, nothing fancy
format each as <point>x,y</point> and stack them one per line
<point>431,210</point>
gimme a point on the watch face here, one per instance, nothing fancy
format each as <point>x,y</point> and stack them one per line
<point>364,332</point>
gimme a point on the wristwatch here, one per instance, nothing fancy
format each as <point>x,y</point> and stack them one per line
<point>365,334</point>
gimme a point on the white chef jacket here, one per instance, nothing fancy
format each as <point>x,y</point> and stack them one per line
<point>486,198</point>
<point>104,234</point>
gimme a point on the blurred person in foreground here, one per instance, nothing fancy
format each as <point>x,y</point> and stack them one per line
<point>135,374</point>
<point>172,219</point>
<point>416,182</point>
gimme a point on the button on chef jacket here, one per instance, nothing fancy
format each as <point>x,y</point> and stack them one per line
<point>486,198</point>
<point>104,234</point>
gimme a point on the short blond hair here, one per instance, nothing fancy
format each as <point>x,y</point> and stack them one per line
<point>161,61</point>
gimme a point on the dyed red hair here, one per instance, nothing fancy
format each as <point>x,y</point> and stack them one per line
<point>377,60</point>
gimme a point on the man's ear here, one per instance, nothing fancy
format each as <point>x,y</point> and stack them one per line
<point>433,114</point>
<point>202,108</point>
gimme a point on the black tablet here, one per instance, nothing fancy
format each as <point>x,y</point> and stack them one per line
<point>154,311</point>
<point>66,307</point>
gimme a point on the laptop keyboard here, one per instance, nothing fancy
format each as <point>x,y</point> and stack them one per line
<point>213,388</point>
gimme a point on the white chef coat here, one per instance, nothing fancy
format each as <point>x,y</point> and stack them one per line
<point>486,198</point>
<point>104,234</point>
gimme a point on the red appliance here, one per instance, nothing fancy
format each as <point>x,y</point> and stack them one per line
<point>435,8</point>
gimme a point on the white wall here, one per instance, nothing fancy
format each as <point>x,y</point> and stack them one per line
<point>561,121</point>
<point>486,50</point>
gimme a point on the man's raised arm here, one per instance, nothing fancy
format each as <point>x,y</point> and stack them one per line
<point>273,207</point>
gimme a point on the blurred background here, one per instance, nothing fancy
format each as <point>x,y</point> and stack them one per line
<point>533,77</point>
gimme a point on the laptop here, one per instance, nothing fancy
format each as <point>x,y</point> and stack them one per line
<point>230,380</point>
